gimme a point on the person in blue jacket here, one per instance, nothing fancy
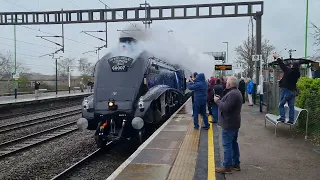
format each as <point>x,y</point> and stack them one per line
<point>200,88</point>
<point>250,91</point>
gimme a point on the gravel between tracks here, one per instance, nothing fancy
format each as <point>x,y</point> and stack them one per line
<point>7,136</point>
<point>99,167</point>
<point>37,115</point>
<point>48,159</point>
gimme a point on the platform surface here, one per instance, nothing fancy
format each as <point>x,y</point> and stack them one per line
<point>44,96</point>
<point>178,152</point>
<point>264,156</point>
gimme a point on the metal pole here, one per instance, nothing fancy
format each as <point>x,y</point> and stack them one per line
<point>145,14</point>
<point>258,41</point>
<point>227,52</point>
<point>106,28</point>
<point>62,29</point>
<point>306,39</point>
<point>306,33</point>
<point>69,74</point>
<point>56,76</point>
<point>15,61</point>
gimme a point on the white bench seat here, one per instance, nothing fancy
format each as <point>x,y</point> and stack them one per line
<point>272,118</point>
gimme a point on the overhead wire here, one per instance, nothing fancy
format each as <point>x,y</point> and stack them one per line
<point>17,5</point>
<point>122,17</point>
<point>20,48</point>
<point>28,43</point>
<point>70,1</point>
<point>40,45</point>
<point>41,30</point>
<point>163,21</point>
<point>54,35</point>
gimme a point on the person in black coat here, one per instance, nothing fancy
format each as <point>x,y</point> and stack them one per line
<point>218,91</point>
<point>288,85</point>
<point>242,89</point>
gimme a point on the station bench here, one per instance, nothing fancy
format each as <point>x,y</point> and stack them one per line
<point>272,118</point>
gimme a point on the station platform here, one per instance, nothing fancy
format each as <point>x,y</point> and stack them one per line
<point>178,152</point>
<point>44,96</point>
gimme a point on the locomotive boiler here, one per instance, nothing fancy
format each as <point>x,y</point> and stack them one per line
<point>134,93</point>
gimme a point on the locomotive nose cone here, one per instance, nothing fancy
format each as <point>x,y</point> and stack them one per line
<point>82,123</point>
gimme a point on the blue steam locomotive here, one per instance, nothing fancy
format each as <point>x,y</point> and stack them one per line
<point>132,96</point>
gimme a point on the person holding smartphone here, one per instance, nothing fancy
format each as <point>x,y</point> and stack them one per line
<point>200,88</point>
<point>230,119</point>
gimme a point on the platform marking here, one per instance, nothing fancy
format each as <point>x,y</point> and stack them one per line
<point>142,146</point>
<point>211,160</point>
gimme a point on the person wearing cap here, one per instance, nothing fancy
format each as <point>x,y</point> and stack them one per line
<point>288,85</point>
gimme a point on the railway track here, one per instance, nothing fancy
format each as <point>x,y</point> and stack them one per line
<point>19,125</point>
<point>16,145</point>
<point>64,174</point>
<point>8,116</point>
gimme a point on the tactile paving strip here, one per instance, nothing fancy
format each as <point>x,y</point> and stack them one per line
<point>185,163</point>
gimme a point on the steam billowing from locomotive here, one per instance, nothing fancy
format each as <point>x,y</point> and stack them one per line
<point>135,91</point>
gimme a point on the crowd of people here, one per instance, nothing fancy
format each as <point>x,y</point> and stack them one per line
<point>224,101</point>
<point>224,98</point>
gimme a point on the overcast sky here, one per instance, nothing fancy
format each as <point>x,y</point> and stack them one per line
<point>283,23</point>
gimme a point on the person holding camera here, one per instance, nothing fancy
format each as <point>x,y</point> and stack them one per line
<point>200,88</point>
<point>191,80</point>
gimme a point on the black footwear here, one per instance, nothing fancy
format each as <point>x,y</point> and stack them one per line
<point>236,167</point>
<point>196,128</point>
<point>290,122</point>
<point>213,121</point>
<point>281,120</point>
<point>205,128</point>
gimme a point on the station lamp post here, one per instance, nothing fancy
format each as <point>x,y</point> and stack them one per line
<point>15,59</point>
<point>227,51</point>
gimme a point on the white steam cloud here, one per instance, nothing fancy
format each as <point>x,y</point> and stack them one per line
<point>164,46</point>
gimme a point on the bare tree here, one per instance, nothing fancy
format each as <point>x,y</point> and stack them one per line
<point>85,67</point>
<point>316,34</point>
<point>63,65</point>
<point>247,49</point>
<point>7,66</point>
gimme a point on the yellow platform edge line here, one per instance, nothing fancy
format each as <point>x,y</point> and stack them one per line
<point>211,160</point>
